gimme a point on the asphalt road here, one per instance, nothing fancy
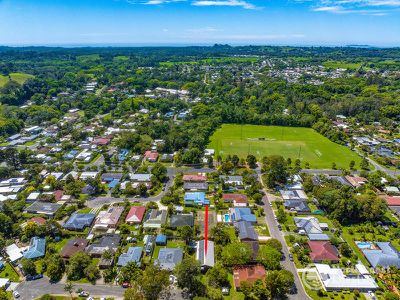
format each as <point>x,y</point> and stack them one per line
<point>37,288</point>
<point>277,234</point>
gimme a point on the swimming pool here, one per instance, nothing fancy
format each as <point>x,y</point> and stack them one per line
<point>364,245</point>
<point>227,218</point>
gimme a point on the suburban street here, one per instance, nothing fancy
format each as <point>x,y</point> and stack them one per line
<point>277,234</point>
<point>37,288</point>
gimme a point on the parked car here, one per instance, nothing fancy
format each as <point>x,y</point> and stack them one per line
<point>279,227</point>
<point>290,256</point>
<point>16,295</point>
<point>83,294</point>
<point>126,285</point>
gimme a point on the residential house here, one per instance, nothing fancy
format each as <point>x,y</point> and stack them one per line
<point>135,215</point>
<point>310,226</point>
<point>232,180</point>
<point>356,181</point>
<point>238,200</point>
<point>195,186</point>
<point>151,156</point>
<point>86,175</point>
<point>39,221</point>
<point>108,218</point>
<point>181,220</point>
<point>43,208</point>
<point>248,235</point>
<point>206,259</point>
<point>323,251</point>
<point>79,221</point>
<point>334,279</point>
<point>134,254</point>
<point>169,258</point>
<point>297,205</point>
<point>194,178</point>
<point>249,274</point>
<point>243,214</point>
<point>14,252</point>
<point>293,195</point>
<point>161,240</point>
<point>37,248</point>
<point>107,242</point>
<point>155,218</point>
<point>73,246</point>
<point>196,199</point>
<point>384,256</point>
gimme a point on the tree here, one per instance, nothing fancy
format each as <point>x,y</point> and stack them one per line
<point>281,215</point>
<point>251,161</point>
<point>129,273</point>
<point>269,257</point>
<point>391,296</point>
<point>345,249</point>
<point>132,294</point>
<point>274,243</point>
<point>28,266</point>
<point>275,169</point>
<point>92,273</point>
<point>186,233</point>
<point>69,288</point>
<point>55,267</point>
<point>6,225</point>
<point>159,171</point>
<point>352,164</point>
<point>220,235</point>
<point>217,276</point>
<point>278,283</point>
<point>77,265</point>
<point>236,254</point>
<point>364,164</point>
<point>188,275</point>
<point>3,294</point>
<point>154,282</point>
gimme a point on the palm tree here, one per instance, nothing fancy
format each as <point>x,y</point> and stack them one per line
<point>69,287</point>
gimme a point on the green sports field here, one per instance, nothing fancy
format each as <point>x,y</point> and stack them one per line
<point>293,142</point>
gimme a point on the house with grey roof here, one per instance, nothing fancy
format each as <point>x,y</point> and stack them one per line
<point>385,256</point>
<point>79,221</point>
<point>168,258</point>
<point>43,208</point>
<point>206,259</point>
<point>246,231</point>
<point>181,220</point>
<point>37,248</point>
<point>310,226</point>
<point>134,254</point>
<point>195,186</point>
<point>155,218</point>
<point>106,242</point>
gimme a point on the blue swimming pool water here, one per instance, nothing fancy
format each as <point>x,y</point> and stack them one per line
<point>364,245</point>
<point>227,218</point>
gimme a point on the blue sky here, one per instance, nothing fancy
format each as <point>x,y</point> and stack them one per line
<point>194,22</point>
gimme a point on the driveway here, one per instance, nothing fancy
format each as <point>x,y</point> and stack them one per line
<point>37,288</point>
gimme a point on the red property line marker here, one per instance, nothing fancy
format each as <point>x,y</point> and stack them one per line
<point>206,231</point>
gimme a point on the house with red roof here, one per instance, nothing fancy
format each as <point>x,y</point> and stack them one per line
<point>194,178</point>
<point>247,274</point>
<point>151,156</point>
<point>392,200</point>
<point>323,251</point>
<point>356,181</point>
<point>135,215</point>
<point>38,221</point>
<point>237,199</point>
<point>58,194</point>
<point>101,141</point>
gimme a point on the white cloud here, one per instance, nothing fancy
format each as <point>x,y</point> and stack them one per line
<point>153,2</point>
<point>328,8</point>
<point>363,7</point>
<point>233,3</point>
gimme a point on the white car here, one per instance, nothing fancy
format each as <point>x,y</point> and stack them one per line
<point>16,295</point>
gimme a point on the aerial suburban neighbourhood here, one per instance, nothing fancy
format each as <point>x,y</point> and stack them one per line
<point>197,172</point>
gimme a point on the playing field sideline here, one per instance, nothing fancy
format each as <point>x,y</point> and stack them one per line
<point>293,142</point>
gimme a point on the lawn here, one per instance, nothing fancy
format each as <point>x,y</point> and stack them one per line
<point>18,77</point>
<point>9,272</point>
<point>294,142</point>
<point>341,64</point>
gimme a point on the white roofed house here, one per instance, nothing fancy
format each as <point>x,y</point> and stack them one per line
<point>206,259</point>
<point>108,218</point>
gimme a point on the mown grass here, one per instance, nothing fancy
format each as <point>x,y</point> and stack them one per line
<point>290,142</point>
<point>18,77</point>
